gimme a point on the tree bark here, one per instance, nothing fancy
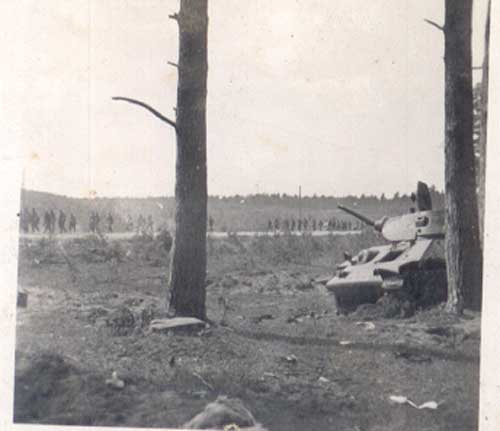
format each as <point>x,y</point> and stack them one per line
<point>463,251</point>
<point>483,132</point>
<point>189,258</point>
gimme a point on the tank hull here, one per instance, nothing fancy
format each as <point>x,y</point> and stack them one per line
<point>392,268</point>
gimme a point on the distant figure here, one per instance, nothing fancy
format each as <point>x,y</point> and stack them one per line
<point>314,224</point>
<point>413,198</point>
<point>293,225</point>
<point>110,221</point>
<point>276,224</point>
<point>150,227</point>
<point>140,223</point>
<point>270,225</point>
<point>97,220</point>
<point>287,225</point>
<point>24,220</point>
<point>62,221</point>
<point>320,225</point>
<point>35,221</point>
<point>299,224</point>
<point>330,225</point>
<point>46,222</point>
<point>52,221</point>
<point>72,223</point>
<point>92,222</point>
<point>130,223</point>
<point>166,239</point>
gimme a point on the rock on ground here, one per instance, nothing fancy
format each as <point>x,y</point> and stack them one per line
<point>222,412</point>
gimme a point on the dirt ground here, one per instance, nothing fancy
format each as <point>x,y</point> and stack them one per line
<point>276,342</point>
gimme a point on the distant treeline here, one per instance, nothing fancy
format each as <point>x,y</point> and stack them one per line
<point>234,213</point>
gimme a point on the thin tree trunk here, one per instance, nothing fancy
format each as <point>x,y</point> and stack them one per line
<point>188,269</point>
<point>483,132</point>
<point>463,252</point>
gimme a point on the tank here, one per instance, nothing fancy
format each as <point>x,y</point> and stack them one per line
<point>411,265</point>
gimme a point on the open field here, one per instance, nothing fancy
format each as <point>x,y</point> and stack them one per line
<point>276,341</point>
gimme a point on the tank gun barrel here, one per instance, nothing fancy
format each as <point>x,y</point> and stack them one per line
<point>359,216</point>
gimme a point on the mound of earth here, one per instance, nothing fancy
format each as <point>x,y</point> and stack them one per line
<point>51,385</point>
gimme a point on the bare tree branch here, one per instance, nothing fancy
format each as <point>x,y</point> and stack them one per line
<point>477,67</point>
<point>170,63</point>
<point>439,27</point>
<point>174,16</point>
<point>150,109</point>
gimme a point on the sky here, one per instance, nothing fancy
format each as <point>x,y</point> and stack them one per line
<point>338,96</point>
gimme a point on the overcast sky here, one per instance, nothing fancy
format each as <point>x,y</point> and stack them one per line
<point>339,96</point>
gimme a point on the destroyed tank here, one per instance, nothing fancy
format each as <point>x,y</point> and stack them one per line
<point>411,266</point>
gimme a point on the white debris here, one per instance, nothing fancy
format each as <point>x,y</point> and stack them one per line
<point>369,326</point>
<point>222,412</point>
<point>115,382</point>
<point>400,399</point>
<point>159,325</point>
<point>291,358</point>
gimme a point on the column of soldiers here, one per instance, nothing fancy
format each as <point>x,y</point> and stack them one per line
<point>95,222</point>
<point>144,225</point>
<point>311,224</point>
<point>30,221</point>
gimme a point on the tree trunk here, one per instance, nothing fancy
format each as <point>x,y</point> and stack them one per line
<point>483,132</point>
<point>189,258</point>
<point>463,251</point>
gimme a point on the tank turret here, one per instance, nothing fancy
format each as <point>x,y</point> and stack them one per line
<point>406,227</point>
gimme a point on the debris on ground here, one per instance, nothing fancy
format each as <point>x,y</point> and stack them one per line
<point>165,325</point>
<point>121,321</point>
<point>291,359</point>
<point>262,317</point>
<point>389,306</point>
<point>412,356</point>
<point>369,326</point>
<point>115,382</point>
<point>223,412</point>
<point>400,399</point>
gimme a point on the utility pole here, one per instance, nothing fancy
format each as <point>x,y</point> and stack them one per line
<point>300,202</point>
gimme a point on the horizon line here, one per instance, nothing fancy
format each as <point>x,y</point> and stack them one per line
<point>281,195</point>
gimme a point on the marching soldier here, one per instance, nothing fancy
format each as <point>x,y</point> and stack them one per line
<point>72,223</point>
<point>150,225</point>
<point>46,222</point>
<point>110,221</point>
<point>35,221</point>
<point>52,218</point>
<point>62,221</point>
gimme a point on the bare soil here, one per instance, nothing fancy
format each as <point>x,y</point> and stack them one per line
<point>275,341</point>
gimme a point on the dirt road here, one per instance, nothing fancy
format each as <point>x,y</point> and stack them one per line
<point>247,234</point>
